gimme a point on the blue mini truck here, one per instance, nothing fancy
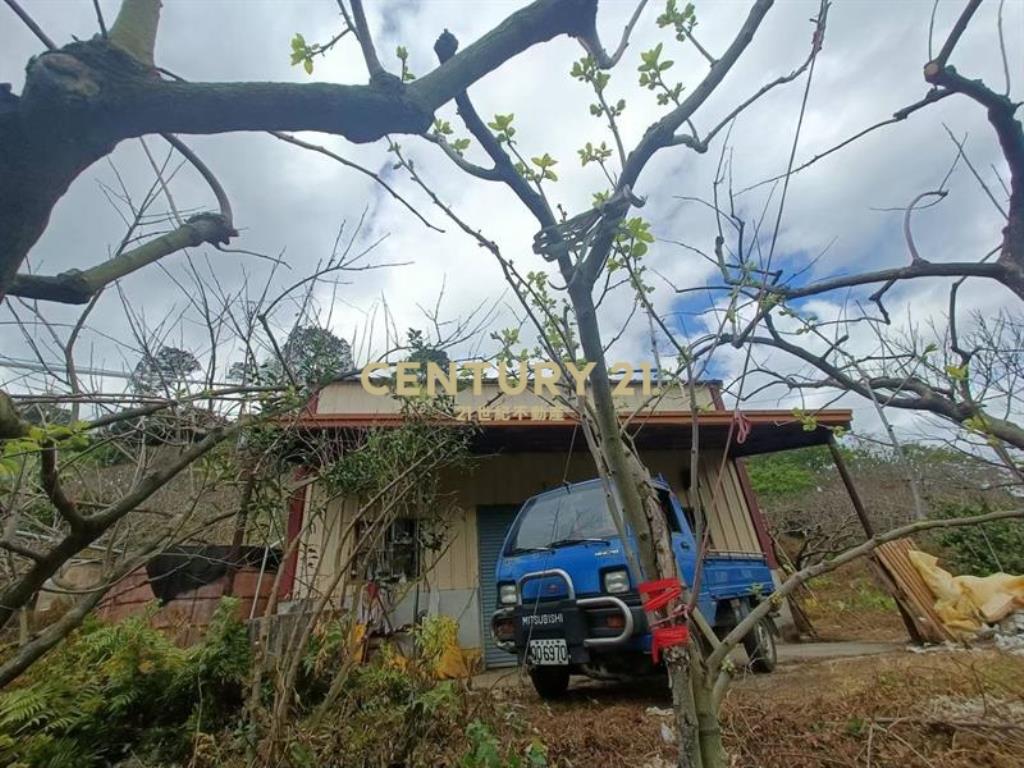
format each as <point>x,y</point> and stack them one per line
<point>568,604</point>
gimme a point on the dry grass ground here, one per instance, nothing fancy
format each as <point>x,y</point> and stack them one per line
<point>941,709</point>
<point>848,604</point>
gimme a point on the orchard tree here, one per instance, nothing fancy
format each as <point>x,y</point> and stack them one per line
<point>423,351</point>
<point>182,444</point>
<point>311,356</point>
<point>168,369</point>
<point>82,98</point>
<point>315,355</point>
<point>605,246</point>
<point>584,249</point>
<point>964,370</point>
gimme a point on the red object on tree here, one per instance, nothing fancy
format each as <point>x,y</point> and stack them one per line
<point>658,594</point>
<point>668,637</point>
<point>670,631</point>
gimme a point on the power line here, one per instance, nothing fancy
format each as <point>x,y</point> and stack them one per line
<point>15,363</point>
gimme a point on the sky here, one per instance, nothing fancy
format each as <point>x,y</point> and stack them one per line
<point>289,203</point>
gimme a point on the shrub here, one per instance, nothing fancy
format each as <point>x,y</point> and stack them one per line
<point>119,691</point>
<point>395,713</point>
<point>115,689</point>
<point>981,550</point>
<point>782,474</point>
<point>331,646</point>
<point>209,684</point>
<point>437,640</point>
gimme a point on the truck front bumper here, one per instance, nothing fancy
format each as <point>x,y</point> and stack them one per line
<point>587,624</point>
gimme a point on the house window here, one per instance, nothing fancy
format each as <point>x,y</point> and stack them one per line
<point>391,556</point>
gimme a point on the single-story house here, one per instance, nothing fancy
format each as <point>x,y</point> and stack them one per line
<point>521,448</point>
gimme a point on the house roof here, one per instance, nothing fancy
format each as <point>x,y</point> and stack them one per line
<point>746,432</point>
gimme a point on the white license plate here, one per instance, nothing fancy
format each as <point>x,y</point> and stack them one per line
<point>549,653</point>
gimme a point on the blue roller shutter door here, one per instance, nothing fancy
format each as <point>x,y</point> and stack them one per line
<point>492,524</point>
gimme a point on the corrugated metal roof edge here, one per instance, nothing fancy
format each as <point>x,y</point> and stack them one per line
<point>828,418</point>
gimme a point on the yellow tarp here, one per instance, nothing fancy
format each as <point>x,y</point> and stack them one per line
<point>965,603</point>
<point>452,664</point>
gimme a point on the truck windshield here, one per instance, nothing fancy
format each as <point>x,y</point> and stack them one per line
<point>567,517</point>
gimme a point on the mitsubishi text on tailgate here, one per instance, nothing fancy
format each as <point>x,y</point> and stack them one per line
<point>569,605</point>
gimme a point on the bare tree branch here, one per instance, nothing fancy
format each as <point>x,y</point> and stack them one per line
<point>954,36</point>
<point>31,24</point>
<point>591,41</point>
<point>50,481</point>
<point>74,101</point>
<point>366,42</point>
<point>729,642</point>
<point>78,287</point>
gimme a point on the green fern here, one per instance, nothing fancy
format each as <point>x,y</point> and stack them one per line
<point>113,687</point>
<point>23,706</point>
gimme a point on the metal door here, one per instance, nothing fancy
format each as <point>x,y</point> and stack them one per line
<point>492,524</point>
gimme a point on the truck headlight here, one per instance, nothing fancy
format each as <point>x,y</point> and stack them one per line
<point>507,594</point>
<point>504,630</point>
<point>616,582</point>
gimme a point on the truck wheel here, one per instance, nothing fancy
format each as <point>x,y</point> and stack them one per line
<point>550,682</point>
<point>760,646</point>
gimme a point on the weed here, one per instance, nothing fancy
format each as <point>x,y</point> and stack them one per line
<point>485,751</point>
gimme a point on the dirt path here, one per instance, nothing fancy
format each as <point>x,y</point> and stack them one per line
<point>887,708</point>
<point>794,652</point>
<point>788,652</point>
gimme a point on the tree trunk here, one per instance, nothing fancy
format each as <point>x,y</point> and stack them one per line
<point>241,523</point>
<point>38,646</point>
<point>712,750</point>
<point>643,512</point>
<point>20,591</point>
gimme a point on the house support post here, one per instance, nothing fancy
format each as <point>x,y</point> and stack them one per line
<point>851,489</point>
<point>876,566</point>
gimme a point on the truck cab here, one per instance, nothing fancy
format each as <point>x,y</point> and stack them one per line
<point>568,603</point>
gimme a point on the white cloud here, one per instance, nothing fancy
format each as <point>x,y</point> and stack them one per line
<point>290,200</point>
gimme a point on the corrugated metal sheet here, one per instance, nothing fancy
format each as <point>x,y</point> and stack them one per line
<point>492,523</point>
